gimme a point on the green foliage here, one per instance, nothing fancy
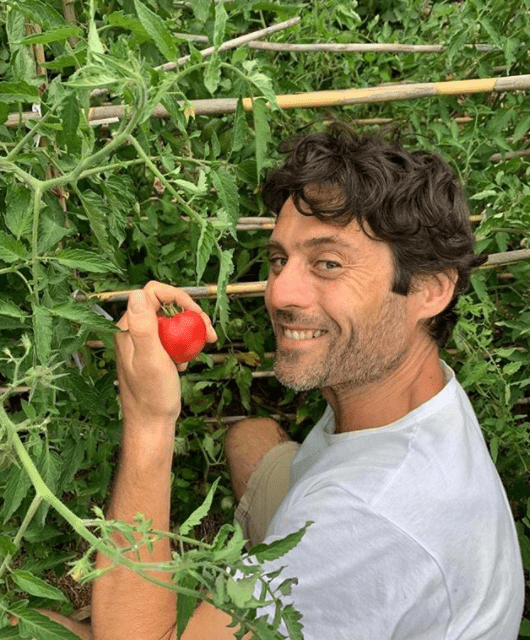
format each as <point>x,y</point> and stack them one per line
<point>91,208</point>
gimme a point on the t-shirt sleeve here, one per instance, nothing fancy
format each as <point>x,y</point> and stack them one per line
<point>359,576</point>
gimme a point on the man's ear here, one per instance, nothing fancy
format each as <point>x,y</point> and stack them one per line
<point>435,291</point>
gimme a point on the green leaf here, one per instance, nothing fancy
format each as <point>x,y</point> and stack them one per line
<point>7,547</point>
<point>94,43</point>
<point>226,187</point>
<point>18,211</point>
<point>69,112</point>
<point>43,332</point>
<point>52,229</point>
<point>196,517</point>
<point>292,619</point>
<point>84,261</point>
<point>262,82</point>
<point>12,250</point>
<point>240,128</point>
<point>262,130</point>
<point>18,92</point>
<point>36,625</point>
<point>278,548</point>
<point>156,28</point>
<point>96,210</point>
<point>204,248</point>
<point>225,271</point>
<point>22,64</point>
<point>525,629</point>
<point>49,465</point>
<point>37,587</point>
<point>190,187</point>
<point>118,19</point>
<point>521,129</point>
<point>4,112</point>
<point>241,591</point>
<point>201,9</point>
<point>54,35</point>
<point>16,489</point>
<point>80,314</point>
<point>185,604</point>
<point>42,13</point>
<point>212,77</point>
<point>221,18</point>
<point>8,308</point>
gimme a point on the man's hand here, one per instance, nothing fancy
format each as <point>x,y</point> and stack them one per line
<point>148,378</point>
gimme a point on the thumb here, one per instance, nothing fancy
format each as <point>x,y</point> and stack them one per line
<point>141,317</point>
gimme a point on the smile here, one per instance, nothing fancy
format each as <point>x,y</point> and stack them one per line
<point>302,335</point>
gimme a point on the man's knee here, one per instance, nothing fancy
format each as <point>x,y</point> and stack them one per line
<point>246,443</point>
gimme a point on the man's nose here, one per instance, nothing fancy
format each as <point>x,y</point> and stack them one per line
<point>291,287</point>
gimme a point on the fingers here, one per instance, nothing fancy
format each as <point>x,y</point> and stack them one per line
<point>160,293</point>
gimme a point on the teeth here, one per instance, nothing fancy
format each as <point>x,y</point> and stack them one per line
<point>303,335</point>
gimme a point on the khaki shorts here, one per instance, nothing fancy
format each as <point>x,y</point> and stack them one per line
<point>266,488</point>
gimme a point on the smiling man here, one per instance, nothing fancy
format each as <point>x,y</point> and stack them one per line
<point>412,537</point>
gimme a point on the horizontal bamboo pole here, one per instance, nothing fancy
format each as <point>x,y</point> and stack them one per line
<point>361,47</point>
<point>253,289</point>
<point>235,42</point>
<point>501,157</point>
<point>315,99</point>
<point>255,223</point>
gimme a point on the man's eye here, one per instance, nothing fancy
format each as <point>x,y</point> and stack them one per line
<point>329,265</point>
<point>274,261</point>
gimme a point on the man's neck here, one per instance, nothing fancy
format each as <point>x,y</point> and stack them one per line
<point>419,378</point>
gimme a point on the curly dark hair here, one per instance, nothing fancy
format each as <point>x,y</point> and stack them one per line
<point>410,200</point>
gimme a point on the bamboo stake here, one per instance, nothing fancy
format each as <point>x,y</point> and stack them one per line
<point>70,18</point>
<point>362,47</point>
<point>235,42</point>
<point>501,157</point>
<point>340,97</point>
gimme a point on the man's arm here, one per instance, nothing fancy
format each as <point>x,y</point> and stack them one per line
<point>125,606</point>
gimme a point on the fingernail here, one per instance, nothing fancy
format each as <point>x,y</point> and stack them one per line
<point>137,302</point>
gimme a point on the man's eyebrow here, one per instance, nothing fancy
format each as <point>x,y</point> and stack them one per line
<point>312,243</point>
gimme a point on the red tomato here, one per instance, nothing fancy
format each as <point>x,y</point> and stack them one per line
<point>182,336</point>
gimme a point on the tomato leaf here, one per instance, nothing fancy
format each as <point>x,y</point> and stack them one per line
<point>196,517</point>
<point>156,28</point>
<point>37,587</point>
<point>204,248</point>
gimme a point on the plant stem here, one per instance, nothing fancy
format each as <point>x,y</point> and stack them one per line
<point>109,167</point>
<point>29,135</point>
<point>154,169</point>
<point>22,530</point>
<point>44,493</point>
<point>9,167</point>
<point>37,196</point>
<point>84,165</point>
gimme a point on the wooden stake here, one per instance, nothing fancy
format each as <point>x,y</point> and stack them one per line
<point>361,47</point>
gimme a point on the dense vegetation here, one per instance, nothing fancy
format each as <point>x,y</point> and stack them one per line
<point>106,207</point>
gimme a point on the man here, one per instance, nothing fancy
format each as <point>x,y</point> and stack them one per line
<point>412,535</point>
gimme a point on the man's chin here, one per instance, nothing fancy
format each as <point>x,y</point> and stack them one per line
<point>294,381</point>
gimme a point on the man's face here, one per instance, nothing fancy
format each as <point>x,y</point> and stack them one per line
<point>336,321</point>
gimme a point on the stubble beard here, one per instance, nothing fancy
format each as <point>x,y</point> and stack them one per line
<point>373,351</point>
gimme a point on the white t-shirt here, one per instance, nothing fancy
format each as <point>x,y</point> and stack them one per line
<point>413,537</point>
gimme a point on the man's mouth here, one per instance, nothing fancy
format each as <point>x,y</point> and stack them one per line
<point>302,334</point>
